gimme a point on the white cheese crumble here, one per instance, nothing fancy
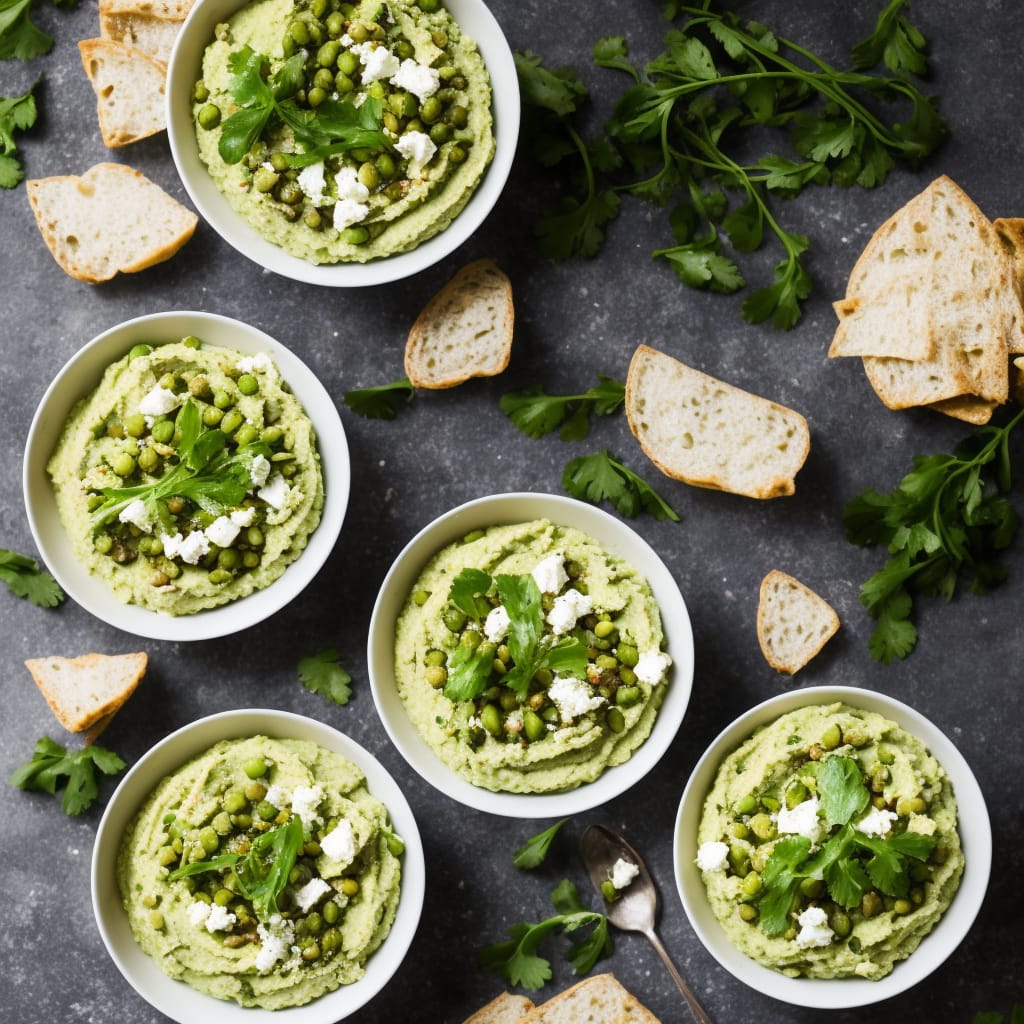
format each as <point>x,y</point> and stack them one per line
<point>198,912</point>
<point>573,697</point>
<point>275,940</point>
<point>311,893</point>
<point>339,845</point>
<point>243,516</point>
<point>514,722</point>
<point>275,491</point>
<point>220,919</point>
<point>419,79</point>
<point>259,470</point>
<point>136,513</point>
<point>305,800</point>
<point>159,402</point>
<point>550,575</point>
<point>311,180</point>
<point>801,820</point>
<point>712,856</point>
<point>277,795</point>
<point>222,531</point>
<point>496,624</point>
<point>378,62</point>
<point>567,609</point>
<point>349,186</point>
<point>259,363</point>
<point>189,549</point>
<point>876,822</point>
<point>417,147</point>
<point>652,666</point>
<point>814,929</point>
<point>348,212</point>
<point>623,872</point>
<point>921,824</point>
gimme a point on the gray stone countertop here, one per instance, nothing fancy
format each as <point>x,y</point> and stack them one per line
<point>573,319</point>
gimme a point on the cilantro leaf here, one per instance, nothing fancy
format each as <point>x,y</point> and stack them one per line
<point>558,92</point>
<point>893,41</point>
<point>575,227</point>
<point>781,879</point>
<point>842,790</point>
<point>19,37</point>
<point>381,402</point>
<point>537,413</point>
<point>16,114</point>
<point>51,764</point>
<point>321,673</point>
<point>532,853</point>
<point>466,587</point>
<point>469,669</point>
<point>599,477</point>
<point>24,578</point>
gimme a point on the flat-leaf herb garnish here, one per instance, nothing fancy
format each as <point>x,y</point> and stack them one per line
<point>537,413</point>
<point>205,474</point>
<point>601,477</point>
<point>335,126</point>
<point>53,765</point>
<point>25,578</point>
<point>381,402</point>
<point>947,519</point>
<point>850,862</point>
<point>532,853</point>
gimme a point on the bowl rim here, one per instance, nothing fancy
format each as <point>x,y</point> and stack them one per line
<point>613,535</point>
<point>175,998</point>
<point>80,375</point>
<point>182,72</point>
<point>947,934</point>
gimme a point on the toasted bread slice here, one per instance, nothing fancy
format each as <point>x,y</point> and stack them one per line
<point>968,408</point>
<point>153,35</point>
<point>1011,232</point>
<point>505,1009</point>
<point>793,622</point>
<point>464,331</point>
<point>169,10</point>
<point>111,219</point>
<point>129,87</point>
<point>84,691</point>
<point>710,434</point>
<point>599,999</point>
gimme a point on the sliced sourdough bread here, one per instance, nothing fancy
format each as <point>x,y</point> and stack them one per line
<point>793,622</point>
<point>505,1009</point>
<point>705,432</point>
<point>599,999</point>
<point>111,219</point>
<point>86,691</point>
<point>169,10</point>
<point>129,87</point>
<point>153,35</point>
<point>464,331</point>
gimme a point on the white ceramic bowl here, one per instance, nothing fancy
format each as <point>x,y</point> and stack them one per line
<point>614,536</point>
<point>975,835</point>
<point>184,70</point>
<point>176,999</point>
<point>79,377</point>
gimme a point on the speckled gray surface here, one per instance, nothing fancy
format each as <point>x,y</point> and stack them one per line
<point>449,447</point>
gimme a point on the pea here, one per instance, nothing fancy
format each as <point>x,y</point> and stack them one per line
<point>122,464</point>
<point>248,385</point>
<point>330,912</point>
<point>266,810</point>
<point>222,823</point>
<point>355,236</point>
<point>200,94</point>
<point>855,736</point>
<point>430,110</point>
<point>840,923</point>
<point>335,24</point>
<point>324,79</point>
<point>627,696</point>
<point>458,116</point>
<point>436,676</point>
<point>748,912</point>
<point>796,794</point>
<point>439,133</point>
<point>349,886</point>
<point>534,727</point>
<point>135,424</point>
<point>208,116</point>
<point>358,32</point>
<point>830,737</point>
<point>254,537</point>
<point>457,155</point>
<point>490,719</point>
<point>746,804</point>
<point>627,654</point>
<point>386,165</point>
<point>209,839</point>
<point>752,884</point>
<point>616,721</point>
<point>148,460</point>
<point>299,33</point>
<point>871,904</point>
<point>428,6</point>
<point>813,888</point>
<point>223,400</point>
<point>606,661</point>
<point>348,62</point>
<point>396,847</point>
<point>156,920</point>
<point>255,768</point>
<point>907,805</point>
<point>136,351</point>
<point>312,219</point>
<point>232,421</point>
<point>762,826</point>
<point>310,952</point>
<point>328,53</point>
<point>228,558</point>
<point>885,753</point>
<point>369,176</point>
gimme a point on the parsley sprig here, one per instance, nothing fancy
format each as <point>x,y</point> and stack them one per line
<point>532,853</point>
<point>537,413</point>
<point>381,402</point>
<point>947,519</point>
<point>322,673</point>
<point>24,578</point>
<point>517,960</point>
<point>17,113</point>
<point>851,862</point>
<point>53,765</point>
<point>19,36</point>
<point>601,477</point>
<point>720,89</point>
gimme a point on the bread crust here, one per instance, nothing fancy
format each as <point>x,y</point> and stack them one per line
<point>821,625</point>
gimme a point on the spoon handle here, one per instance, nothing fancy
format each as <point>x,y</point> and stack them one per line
<point>691,1000</point>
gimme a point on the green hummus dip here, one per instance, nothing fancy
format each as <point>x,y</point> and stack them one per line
<point>271,925</point>
<point>530,659</point>
<point>829,845</point>
<point>377,126</point>
<point>189,478</point>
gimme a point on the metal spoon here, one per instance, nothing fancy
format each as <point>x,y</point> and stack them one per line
<point>637,906</point>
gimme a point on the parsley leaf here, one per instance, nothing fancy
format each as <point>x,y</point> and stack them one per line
<point>19,37</point>
<point>532,853</point>
<point>842,790</point>
<point>51,763</point>
<point>16,114</point>
<point>321,673</point>
<point>517,960</point>
<point>599,477</point>
<point>895,42</point>
<point>381,402</point>
<point>947,519</point>
<point>536,413</point>
<point>25,579</point>
<point>466,587</point>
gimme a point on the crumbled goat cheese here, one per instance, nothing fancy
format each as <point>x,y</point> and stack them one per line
<point>876,822</point>
<point>305,800</point>
<point>220,919</point>
<point>159,402</point>
<point>275,491</point>
<point>275,940</point>
<point>349,186</point>
<point>136,513</point>
<point>550,575</point>
<point>259,470</point>
<point>378,62</point>
<point>712,856</point>
<point>311,894</point>
<point>623,872</point>
<point>311,180</point>
<point>339,845</point>
<point>567,609</point>
<point>222,531</point>
<point>348,212</point>
<point>652,666</point>
<point>573,697</point>
<point>198,912</point>
<point>261,362</point>
<point>514,722</point>
<point>419,79</point>
<point>814,929</point>
<point>496,624</point>
<point>278,796</point>
<point>417,147</point>
<point>243,516</point>
<point>189,549</point>
<point>802,820</point>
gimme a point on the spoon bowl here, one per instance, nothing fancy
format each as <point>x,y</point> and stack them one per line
<point>635,908</point>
